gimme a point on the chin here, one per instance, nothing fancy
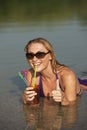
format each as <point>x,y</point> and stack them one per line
<point>38,70</point>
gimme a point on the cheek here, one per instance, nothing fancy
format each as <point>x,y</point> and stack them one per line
<point>30,63</point>
<point>45,62</point>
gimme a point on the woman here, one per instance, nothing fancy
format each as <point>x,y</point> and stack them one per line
<point>56,80</point>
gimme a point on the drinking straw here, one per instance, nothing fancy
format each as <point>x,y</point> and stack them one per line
<point>34,81</point>
<point>22,77</point>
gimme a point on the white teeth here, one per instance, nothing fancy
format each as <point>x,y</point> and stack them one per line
<point>37,64</point>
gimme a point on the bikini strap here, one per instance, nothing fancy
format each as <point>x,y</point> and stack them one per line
<point>57,83</point>
<point>41,86</point>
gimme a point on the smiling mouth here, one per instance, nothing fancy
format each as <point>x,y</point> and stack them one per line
<point>37,64</point>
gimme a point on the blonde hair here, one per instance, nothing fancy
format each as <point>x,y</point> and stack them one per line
<point>49,47</point>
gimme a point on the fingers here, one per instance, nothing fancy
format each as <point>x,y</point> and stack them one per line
<point>57,95</point>
<point>29,94</point>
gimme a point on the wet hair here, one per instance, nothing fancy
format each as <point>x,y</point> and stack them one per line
<point>48,46</point>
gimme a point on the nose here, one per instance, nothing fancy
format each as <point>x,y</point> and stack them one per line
<point>34,58</point>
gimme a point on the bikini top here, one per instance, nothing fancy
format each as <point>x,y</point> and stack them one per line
<point>41,85</point>
<point>24,73</point>
<point>84,82</point>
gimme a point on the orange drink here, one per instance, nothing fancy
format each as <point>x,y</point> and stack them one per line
<point>36,99</point>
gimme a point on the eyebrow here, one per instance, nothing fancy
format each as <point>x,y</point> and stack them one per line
<point>36,52</point>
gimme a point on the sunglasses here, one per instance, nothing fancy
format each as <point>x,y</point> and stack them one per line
<point>38,55</point>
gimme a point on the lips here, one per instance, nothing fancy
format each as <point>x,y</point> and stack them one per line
<point>36,64</point>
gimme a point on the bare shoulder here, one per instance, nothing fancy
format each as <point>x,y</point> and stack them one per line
<point>65,72</point>
<point>68,79</point>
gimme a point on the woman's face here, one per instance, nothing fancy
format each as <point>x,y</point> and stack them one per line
<point>40,62</point>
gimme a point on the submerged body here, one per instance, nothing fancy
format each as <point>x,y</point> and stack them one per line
<point>56,80</point>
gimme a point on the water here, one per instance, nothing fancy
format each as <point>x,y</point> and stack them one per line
<point>67,31</point>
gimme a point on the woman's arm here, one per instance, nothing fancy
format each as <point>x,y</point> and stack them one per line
<point>68,82</point>
<point>29,93</point>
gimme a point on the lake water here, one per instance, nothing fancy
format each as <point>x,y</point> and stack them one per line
<point>69,38</point>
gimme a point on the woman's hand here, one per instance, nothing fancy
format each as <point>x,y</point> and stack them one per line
<point>57,95</point>
<point>29,94</point>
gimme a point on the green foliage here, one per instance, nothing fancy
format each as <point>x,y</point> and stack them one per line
<point>29,10</point>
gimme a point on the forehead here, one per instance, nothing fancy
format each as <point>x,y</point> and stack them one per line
<point>36,47</point>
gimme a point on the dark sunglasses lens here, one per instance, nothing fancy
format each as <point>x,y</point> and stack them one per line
<point>40,54</point>
<point>29,55</point>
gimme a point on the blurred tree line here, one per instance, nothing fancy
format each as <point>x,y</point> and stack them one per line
<point>28,10</point>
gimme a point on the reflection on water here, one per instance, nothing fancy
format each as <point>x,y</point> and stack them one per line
<point>47,10</point>
<point>64,24</point>
<point>50,116</point>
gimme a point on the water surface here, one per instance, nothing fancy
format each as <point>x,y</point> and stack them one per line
<point>65,26</point>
